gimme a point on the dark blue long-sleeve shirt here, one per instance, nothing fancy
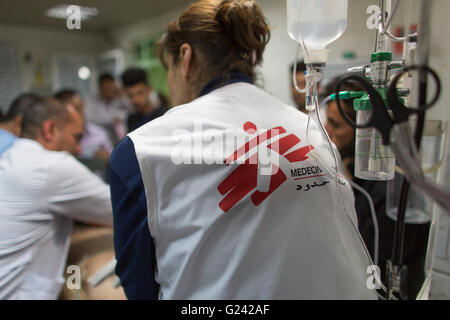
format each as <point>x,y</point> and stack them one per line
<point>132,240</point>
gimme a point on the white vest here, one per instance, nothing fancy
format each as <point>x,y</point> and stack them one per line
<point>223,229</point>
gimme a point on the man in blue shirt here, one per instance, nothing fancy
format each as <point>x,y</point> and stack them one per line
<point>6,139</point>
<point>11,122</point>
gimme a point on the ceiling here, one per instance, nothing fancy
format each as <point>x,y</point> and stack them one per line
<point>111,13</point>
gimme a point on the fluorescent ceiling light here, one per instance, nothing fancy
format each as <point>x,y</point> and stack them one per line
<point>84,73</point>
<point>60,12</point>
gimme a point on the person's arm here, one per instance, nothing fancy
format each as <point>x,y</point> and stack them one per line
<point>132,240</point>
<point>77,193</point>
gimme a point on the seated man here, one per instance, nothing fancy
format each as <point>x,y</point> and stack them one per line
<point>43,190</point>
<point>10,123</point>
<point>95,142</point>
<point>147,103</point>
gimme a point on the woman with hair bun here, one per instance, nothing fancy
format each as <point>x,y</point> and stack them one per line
<point>220,198</point>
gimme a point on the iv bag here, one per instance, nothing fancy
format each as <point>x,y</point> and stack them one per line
<point>318,23</point>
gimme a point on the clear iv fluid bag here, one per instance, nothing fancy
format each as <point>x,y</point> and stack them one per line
<point>317,22</point>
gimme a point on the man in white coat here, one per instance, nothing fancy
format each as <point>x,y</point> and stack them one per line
<point>43,189</point>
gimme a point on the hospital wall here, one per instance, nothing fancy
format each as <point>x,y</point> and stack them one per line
<point>37,51</point>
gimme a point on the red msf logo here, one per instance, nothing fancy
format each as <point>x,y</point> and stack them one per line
<point>244,178</point>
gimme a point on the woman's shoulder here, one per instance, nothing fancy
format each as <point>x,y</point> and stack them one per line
<point>222,107</point>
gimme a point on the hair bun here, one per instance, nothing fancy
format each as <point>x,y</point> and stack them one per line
<point>226,36</point>
<point>244,25</point>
